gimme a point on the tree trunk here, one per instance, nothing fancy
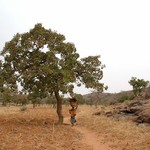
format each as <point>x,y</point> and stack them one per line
<point>59,108</point>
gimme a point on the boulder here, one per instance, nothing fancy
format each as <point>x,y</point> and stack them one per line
<point>144,116</point>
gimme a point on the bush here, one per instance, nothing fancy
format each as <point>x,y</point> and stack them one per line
<point>23,108</point>
<point>131,97</point>
<point>123,98</point>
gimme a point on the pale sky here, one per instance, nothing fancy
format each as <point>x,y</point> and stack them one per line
<point>118,30</point>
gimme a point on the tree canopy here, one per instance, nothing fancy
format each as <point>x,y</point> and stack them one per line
<point>44,63</point>
<point>138,85</point>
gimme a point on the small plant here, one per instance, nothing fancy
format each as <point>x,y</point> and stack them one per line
<point>23,108</point>
<point>131,97</point>
<point>123,98</point>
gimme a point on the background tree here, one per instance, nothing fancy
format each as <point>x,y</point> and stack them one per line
<point>1,77</point>
<point>44,63</point>
<point>20,98</point>
<point>51,100</point>
<point>138,85</point>
<point>7,96</point>
<point>80,98</point>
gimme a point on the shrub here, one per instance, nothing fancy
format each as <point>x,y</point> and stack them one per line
<point>123,98</point>
<point>23,108</point>
<point>131,97</point>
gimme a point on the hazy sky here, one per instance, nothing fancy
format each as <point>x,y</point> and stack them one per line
<point>118,30</point>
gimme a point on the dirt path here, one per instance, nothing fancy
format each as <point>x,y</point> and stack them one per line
<point>90,138</point>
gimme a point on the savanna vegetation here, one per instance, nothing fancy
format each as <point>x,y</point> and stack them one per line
<point>38,68</point>
<point>138,85</point>
<point>45,64</point>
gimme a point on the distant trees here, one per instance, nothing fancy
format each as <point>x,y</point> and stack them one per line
<point>80,98</point>
<point>45,64</point>
<point>6,95</point>
<point>1,77</point>
<point>20,99</point>
<point>138,85</point>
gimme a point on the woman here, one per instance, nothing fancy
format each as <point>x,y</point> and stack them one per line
<point>72,116</point>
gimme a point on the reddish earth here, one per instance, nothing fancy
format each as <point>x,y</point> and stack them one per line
<point>89,137</point>
<point>35,129</point>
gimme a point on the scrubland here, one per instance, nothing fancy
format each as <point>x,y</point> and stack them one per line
<point>122,134</point>
<point>36,129</point>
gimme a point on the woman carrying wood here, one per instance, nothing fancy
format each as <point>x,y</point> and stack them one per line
<point>72,111</point>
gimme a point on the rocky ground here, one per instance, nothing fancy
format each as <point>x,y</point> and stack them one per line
<point>136,110</point>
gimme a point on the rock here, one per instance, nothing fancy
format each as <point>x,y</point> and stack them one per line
<point>108,113</point>
<point>135,103</point>
<point>144,116</point>
<point>97,113</point>
<point>136,110</point>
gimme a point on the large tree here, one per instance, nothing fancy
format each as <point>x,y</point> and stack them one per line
<point>44,63</point>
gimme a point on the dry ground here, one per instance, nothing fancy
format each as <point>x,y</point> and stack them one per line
<point>119,134</point>
<point>35,129</point>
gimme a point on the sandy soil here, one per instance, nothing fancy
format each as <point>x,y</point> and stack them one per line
<point>115,134</point>
<point>35,129</point>
<point>92,139</point>
<point>89,137</point>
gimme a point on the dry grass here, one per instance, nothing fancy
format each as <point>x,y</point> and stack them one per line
<point>124,134</point>
<point>35,129</point>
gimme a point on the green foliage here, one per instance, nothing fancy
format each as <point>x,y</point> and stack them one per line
<point>1,77</point>
<point>131,97</point>
<point>34,99</point>
<point>20,99</point>
<point>44,63</point>
<point>89,102</point>
<point>6,96</point>
<point>89,71</point>
<point>138,85</point>
<point>51,100</point>
<point>123,98</point>
<point>79,98</point>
